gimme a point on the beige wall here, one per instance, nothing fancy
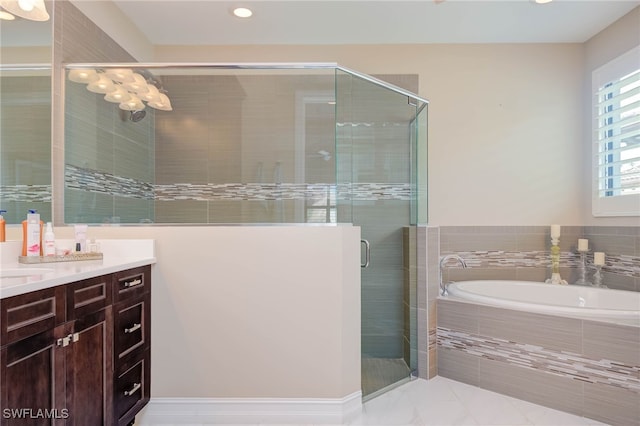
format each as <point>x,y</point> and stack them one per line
<point>610,43</point>
<point>505,121</point>
<point>509,125</point>
<point>251,311</point>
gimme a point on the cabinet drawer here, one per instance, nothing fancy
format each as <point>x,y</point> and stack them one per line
<point>31,313</point>
<point>88,296</point>
<point>131,283</point>
<point>131,326</point>
<point>131,388</point>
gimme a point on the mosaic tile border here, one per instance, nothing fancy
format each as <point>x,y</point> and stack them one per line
<point>26,193</point>
<point>615,263</point>
<point>105,183</point>
<point>559,363</point>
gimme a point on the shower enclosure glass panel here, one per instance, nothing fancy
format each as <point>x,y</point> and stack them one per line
<point>305,143</point>
<point>377,141</point>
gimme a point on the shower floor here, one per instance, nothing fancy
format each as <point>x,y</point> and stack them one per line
<point>378,373</point>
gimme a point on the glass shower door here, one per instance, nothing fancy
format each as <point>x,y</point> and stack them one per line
<point>376,149</point>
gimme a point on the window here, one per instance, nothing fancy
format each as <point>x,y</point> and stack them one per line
<point>616,147</point>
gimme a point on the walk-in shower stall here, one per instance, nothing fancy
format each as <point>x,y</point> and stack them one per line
<point>261,143</point>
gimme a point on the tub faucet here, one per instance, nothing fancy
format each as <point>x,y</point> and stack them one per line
<point>443,261</point>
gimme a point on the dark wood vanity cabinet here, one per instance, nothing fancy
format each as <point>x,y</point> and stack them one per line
<point>71,355</point>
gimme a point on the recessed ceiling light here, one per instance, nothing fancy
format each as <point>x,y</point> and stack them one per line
<point>242,12</point>
<point>542,1</point>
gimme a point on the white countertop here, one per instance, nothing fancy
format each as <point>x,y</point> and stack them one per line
<point>118,255</point>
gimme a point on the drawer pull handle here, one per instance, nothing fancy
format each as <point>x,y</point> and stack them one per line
<point>133,390</point>
<point>133,328</point>
<point>133,283</point>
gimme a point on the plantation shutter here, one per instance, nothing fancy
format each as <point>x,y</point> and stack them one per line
<point>617,134</point>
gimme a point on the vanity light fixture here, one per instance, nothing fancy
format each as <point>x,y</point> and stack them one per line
<point>33,10</point>
<point>242,12</point>
<point>125,87</point>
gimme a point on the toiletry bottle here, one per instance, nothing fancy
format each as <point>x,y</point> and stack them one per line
<point>3,227</point>
<point>49,241</point>
<point>32,234</point>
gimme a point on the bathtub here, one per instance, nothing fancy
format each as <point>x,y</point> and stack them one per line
<point>567,300</point>
<point>571,348</point>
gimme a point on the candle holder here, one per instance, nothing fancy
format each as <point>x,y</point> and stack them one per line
<point>597,277</point>
<point>583,268</point>
<point>555,263</point>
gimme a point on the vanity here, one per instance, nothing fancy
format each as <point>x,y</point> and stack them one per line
<point>75,338</point>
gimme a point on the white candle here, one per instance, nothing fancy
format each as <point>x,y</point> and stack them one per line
<point>598,258</point>
<point>555,231</point>
<point>583,244</point>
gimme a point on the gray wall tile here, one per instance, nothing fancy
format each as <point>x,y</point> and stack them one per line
<point>611,341</point>
<point>530,385</point>
<point>457,365</point>
<point>611,405</point>
<point>544,330</point>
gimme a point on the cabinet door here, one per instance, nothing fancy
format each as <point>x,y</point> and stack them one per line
<point>90,370</point>
<point>32,381</point>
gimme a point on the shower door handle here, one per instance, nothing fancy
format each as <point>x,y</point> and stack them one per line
<point>367,254</point>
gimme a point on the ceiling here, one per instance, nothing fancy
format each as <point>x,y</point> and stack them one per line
<point>210,22</point>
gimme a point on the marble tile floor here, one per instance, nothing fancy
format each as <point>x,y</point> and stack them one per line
<point>443,402</point>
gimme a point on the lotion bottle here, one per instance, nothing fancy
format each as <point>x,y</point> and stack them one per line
<point>3,227</point>
<point>49,241</point>
<point>32,234</point>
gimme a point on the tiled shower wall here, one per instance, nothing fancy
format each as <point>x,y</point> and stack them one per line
<point>25,146</point>
<point>77,39</point>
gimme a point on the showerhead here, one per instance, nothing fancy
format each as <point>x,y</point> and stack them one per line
<point>137,115</point>
<point>134,116</point>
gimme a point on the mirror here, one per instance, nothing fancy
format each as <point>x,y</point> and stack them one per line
<point>25,118</point>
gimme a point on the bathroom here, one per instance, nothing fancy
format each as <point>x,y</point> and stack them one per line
<point>548,183</point>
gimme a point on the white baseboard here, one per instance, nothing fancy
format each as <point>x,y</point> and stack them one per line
<point>178,411</point>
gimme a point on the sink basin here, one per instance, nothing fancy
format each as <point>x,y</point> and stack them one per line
<point>23,272</point>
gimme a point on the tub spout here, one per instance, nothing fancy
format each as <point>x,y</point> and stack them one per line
<point>443,261</point>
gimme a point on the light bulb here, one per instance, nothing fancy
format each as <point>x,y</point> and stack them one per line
<point>102,85</point>
<point>132,104</point>
<point>117,96</point>
<point>153,95</point>
<point>164,104</point>
<point>26,5</point>
<point>33,10</point>
<point>6,16</point>
<point>83,75</point>
<point>138,86</point>
<point>122,75</point>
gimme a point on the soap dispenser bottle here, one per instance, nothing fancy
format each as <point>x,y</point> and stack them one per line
<point>3,227</point>
<point>32,234</point>
<point>49,241</point>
